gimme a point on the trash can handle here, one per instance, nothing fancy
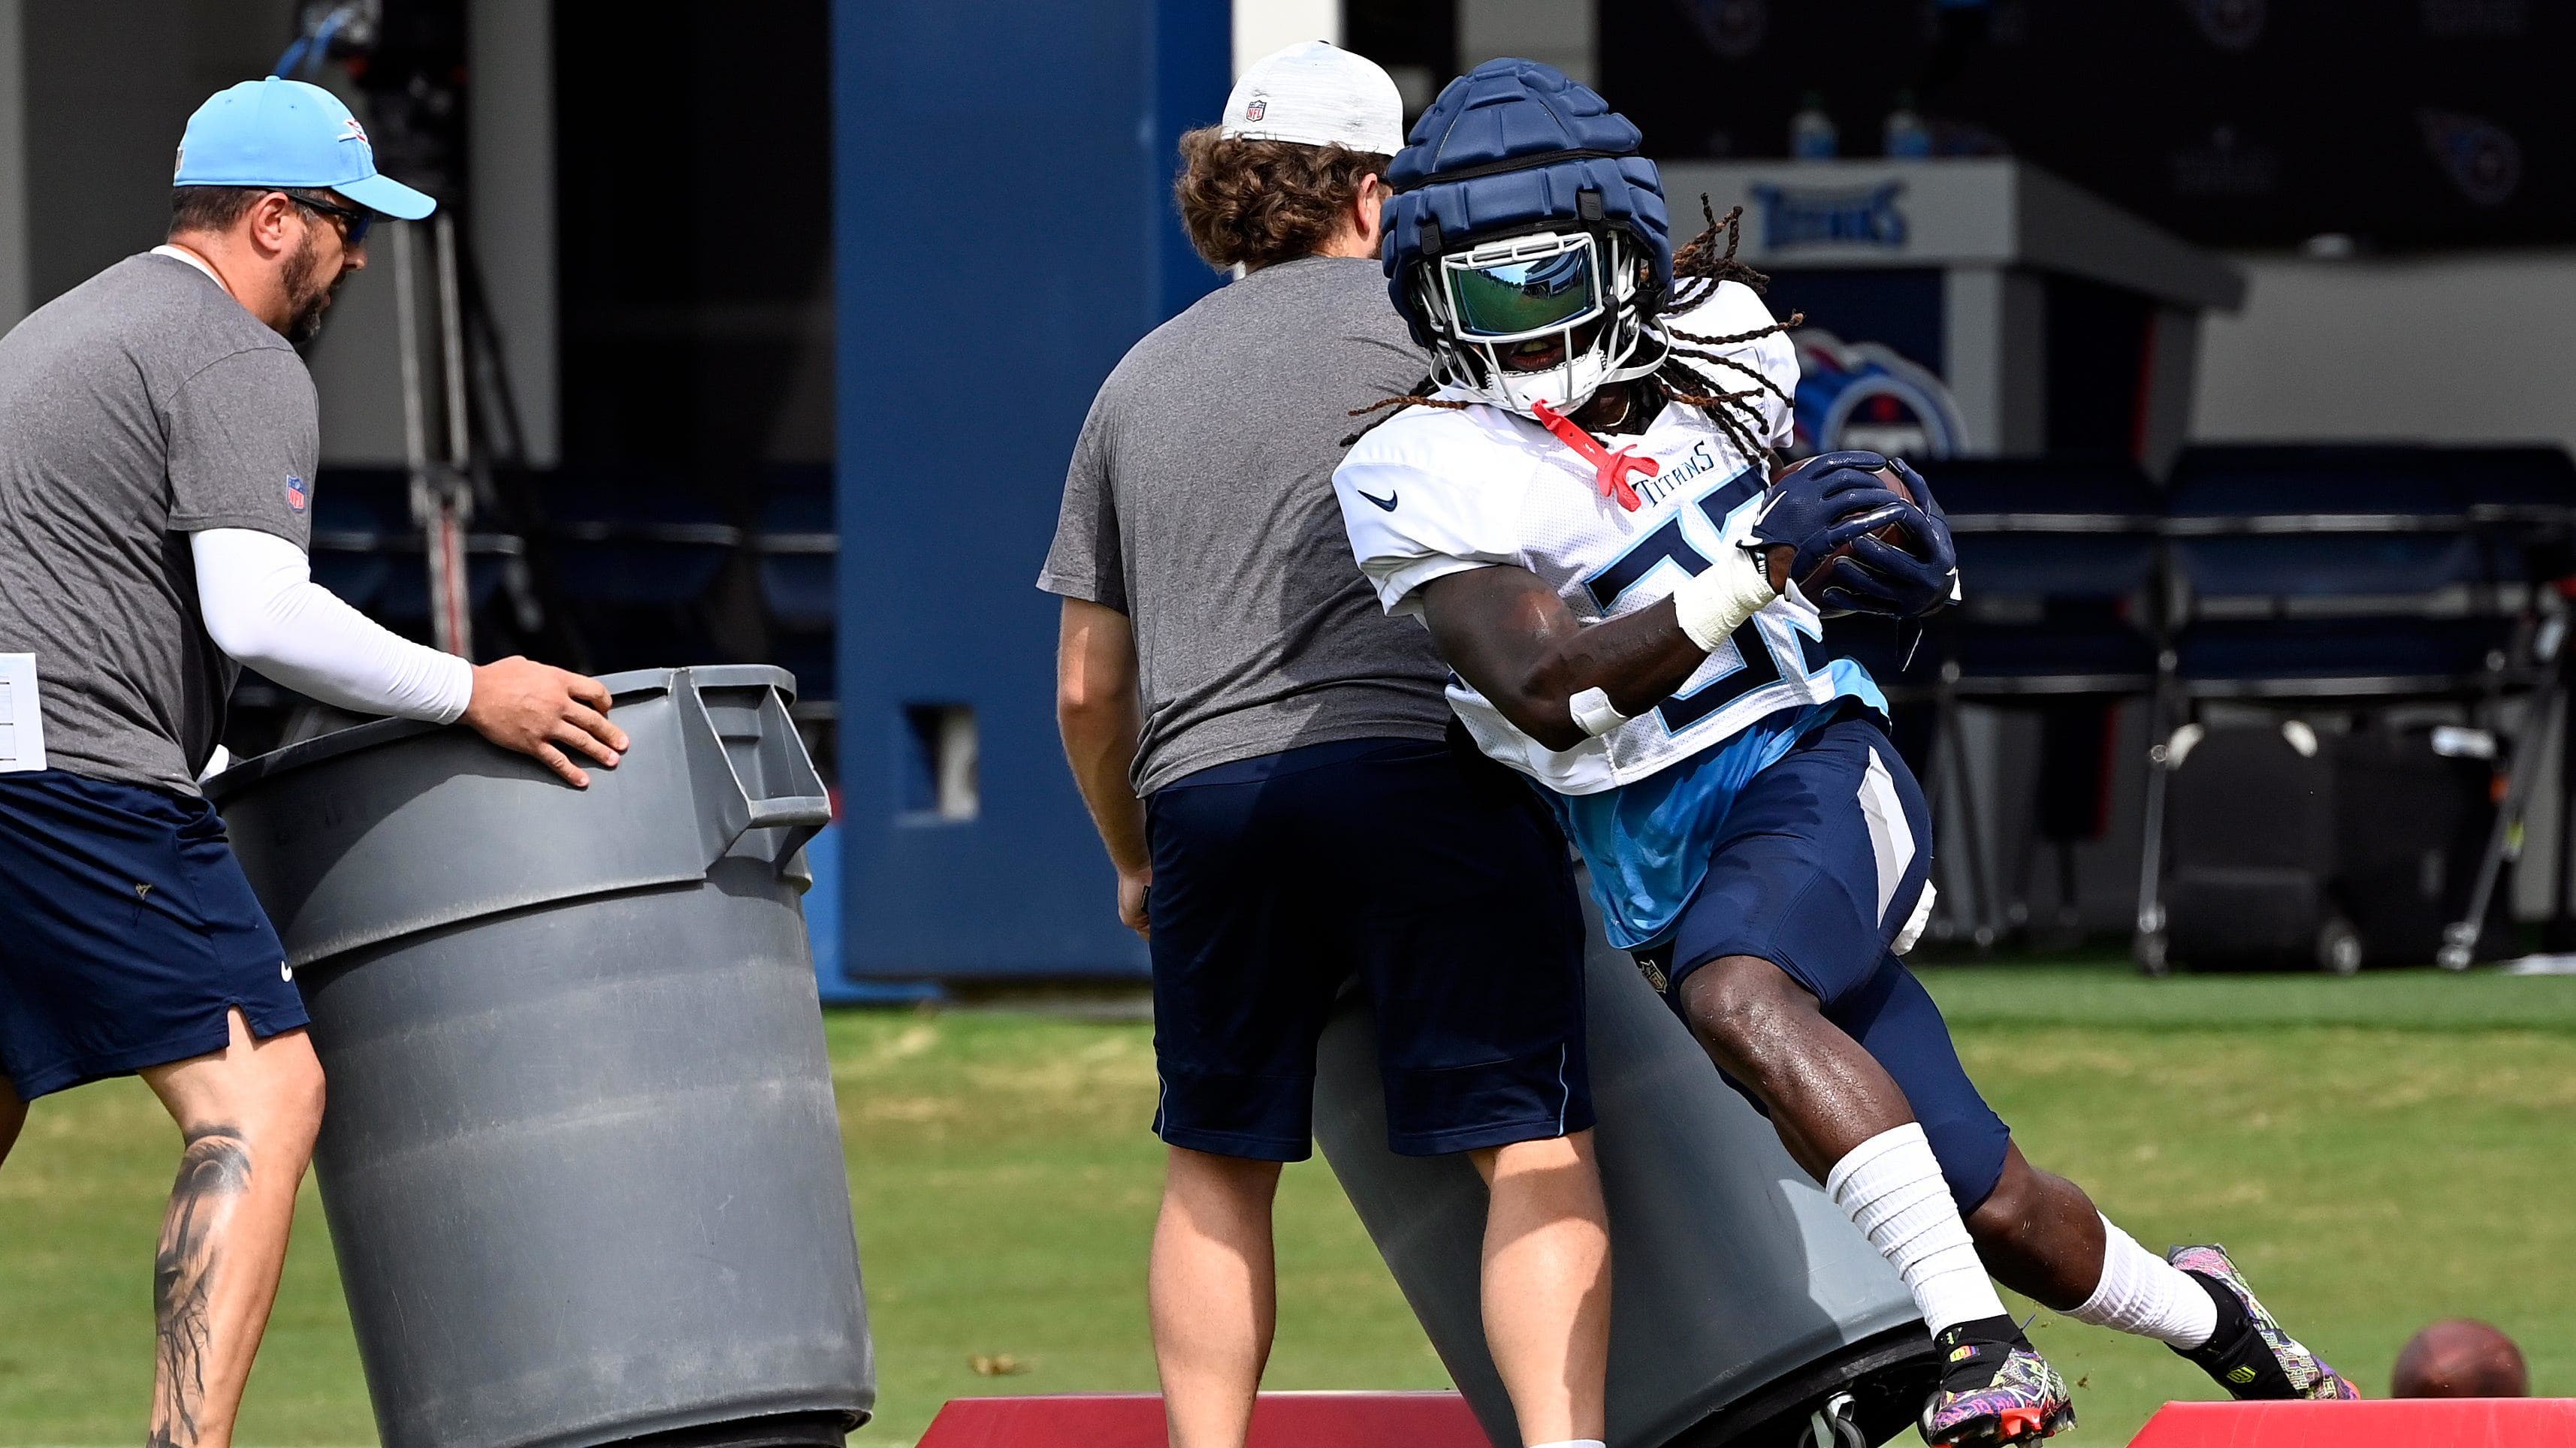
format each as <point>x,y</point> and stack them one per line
<point>797,817</point>
<point>790,810</point>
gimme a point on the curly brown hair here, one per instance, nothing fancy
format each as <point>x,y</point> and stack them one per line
<point>1254,203</point>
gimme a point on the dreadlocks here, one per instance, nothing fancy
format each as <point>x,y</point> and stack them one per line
<point>1698,269</point>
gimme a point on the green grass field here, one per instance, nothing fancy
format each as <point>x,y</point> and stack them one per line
<point>2377,1152</point>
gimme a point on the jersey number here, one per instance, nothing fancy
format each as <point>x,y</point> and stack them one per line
<point>1667,545</point>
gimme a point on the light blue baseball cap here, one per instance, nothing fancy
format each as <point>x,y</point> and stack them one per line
<point>288,134</point>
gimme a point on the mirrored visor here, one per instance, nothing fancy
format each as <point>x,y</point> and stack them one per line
<point>1516,298</point>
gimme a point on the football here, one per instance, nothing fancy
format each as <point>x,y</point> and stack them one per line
<point>2459,1357</point>
<point>1776,564</point>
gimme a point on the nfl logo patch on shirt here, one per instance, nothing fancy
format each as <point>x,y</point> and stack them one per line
<point>298,496</point>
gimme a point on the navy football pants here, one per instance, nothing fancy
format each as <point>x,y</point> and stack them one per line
<point>1825,859</point>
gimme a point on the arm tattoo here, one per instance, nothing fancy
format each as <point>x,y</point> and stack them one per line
<point>214,1172</point>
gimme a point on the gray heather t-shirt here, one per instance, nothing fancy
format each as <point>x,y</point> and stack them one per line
<point>1200,504</point>
<point>139,407</point>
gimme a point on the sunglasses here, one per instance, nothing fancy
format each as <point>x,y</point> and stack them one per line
<point>354,220</point>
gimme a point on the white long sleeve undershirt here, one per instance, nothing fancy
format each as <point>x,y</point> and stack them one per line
<point>263,609</point>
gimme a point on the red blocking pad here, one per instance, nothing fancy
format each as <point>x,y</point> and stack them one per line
<point>1279,1420</point>
<point>2386,1423</point>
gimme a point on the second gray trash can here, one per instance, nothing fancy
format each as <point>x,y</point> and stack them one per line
<point>581,1160</point>
<point>1742,1301</point>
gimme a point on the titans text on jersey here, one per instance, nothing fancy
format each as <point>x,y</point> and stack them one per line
<point>1481,486</point>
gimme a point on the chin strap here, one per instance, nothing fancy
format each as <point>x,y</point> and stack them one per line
<point>1610,468</point>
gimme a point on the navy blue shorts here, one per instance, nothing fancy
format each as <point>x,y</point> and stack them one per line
<point>1437,878</point>
<point>127,933</point>
<point>1825,860</point>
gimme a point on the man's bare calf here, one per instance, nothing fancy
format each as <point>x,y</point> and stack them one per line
<point>247,1116</point>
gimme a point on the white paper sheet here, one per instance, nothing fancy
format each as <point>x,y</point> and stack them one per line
<point>22,723</point>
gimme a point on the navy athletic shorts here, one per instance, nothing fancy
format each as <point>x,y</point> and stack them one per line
<point>1436,877</point>
<point>1824,860</point>
<point>127,933</point>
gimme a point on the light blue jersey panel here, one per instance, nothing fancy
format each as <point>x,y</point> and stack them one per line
<point>1649,843</point>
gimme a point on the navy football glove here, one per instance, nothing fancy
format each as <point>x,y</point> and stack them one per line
<point>1898,582</point>
<point>1822,504</point>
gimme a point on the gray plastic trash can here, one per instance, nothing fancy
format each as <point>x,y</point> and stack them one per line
<point>581,1160</point>
<point>1742,1299</point>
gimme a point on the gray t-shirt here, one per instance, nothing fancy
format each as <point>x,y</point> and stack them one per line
<point>139,407</point>
<point>1200,504</point>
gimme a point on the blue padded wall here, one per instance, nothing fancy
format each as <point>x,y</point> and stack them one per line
<point>1003,232</point>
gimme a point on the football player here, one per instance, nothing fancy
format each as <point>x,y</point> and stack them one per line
<point>1580,508</point>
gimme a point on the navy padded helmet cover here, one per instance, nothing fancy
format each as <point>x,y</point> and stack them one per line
<point>1498,113</point>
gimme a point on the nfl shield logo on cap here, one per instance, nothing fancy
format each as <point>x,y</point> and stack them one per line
<point>1314,94</point>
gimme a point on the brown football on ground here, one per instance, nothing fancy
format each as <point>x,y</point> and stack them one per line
<point>1776,563</point>
<point>2460,1357</point>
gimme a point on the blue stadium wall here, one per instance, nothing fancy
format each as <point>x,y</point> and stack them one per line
<point>1004,232</point>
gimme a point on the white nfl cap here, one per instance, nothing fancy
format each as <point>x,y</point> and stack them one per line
<point>1317,95</point>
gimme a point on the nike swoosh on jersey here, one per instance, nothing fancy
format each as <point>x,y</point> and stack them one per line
<point>1387,502</point>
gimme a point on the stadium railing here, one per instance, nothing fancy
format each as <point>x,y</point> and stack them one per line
<point>2355,578</point>
<point>598,568</point>
<point>366,549</point>
<point>2059,559</point>
<point>799,547</point>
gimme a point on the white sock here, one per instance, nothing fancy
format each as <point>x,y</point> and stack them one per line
<point>1891,1188</point>
<point>1573,1443</point>
<point>2144,1294</point>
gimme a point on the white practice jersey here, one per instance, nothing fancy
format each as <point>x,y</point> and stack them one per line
<point>1436,491</point>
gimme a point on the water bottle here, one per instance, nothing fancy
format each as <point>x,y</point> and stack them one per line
<point>1908,138</point>
<point>1811,131</point>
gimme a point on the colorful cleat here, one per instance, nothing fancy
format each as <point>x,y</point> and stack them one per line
<point>1994,1393</point>
<point>2251,1357</point>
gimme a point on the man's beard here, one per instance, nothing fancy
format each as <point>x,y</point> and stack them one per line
<point>306,297</point>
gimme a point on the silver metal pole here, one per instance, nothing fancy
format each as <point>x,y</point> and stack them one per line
<point>2460,937</point>
<point>451,341</point>
<point>1983,911</point>
<point>429,501</point>
<point>449,501</point>
<point>407,331</point>
<point>2149,945</point>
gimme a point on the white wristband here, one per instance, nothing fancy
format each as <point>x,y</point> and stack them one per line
<point>1716,602</point>
<point>1593,713</point>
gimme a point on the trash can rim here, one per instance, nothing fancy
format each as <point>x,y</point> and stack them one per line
<point>629,684</point>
